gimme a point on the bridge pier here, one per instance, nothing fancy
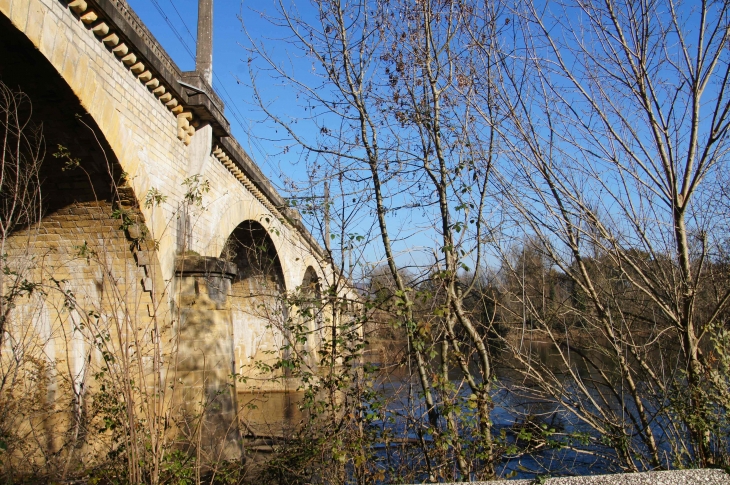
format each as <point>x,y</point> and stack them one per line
<point>205,356</point>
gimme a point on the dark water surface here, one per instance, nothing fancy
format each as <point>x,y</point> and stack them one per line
<point>513,407</point>
<point>399,421</point>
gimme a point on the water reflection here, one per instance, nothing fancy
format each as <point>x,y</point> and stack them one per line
<point>531,427</point>
<point>270,414</point>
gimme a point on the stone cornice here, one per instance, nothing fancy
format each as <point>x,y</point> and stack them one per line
<point>237,161</point>
<point>116,25</point>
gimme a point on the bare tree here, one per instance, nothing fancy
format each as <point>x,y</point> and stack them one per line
<point>393,92</point>
<point>594,131</point>
<point>618,118</point>
<point>23,150</point>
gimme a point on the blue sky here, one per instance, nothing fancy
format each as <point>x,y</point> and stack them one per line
<point>174,23</point>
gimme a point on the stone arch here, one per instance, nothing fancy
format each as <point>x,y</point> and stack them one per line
<point>50,37</point>
<point>312,313</point>
<point>88,253</point>
<point>88,201</point>
<point>237,210</point>
<point>311,284</point>
<point>258,308</point>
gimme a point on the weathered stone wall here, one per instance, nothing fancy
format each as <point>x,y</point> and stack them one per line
<point>205,359</point>
<point>93,318</point>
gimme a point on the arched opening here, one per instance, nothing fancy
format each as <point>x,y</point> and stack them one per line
<point>85,169</point>
<point>82,253</point>
<point>261,339</point>
<point>311,311</point>
<point>258,309</point>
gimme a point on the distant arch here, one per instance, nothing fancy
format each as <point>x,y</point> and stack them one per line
<point>252,249</point>
<point>258,307</point>
<point>235,212</point>
<point>312,313</point>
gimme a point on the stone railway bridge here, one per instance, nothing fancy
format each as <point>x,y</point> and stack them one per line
<point>162,253</point>
<point>161,244</point>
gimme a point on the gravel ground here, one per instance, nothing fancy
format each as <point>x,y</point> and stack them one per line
<point>675,477</point>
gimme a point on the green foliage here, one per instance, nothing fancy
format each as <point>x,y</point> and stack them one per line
<point>178,467</point>
<point>195,188</point>
<point>69,162</point>
<point>85,252</point>
<point>154,198</point>
<point>125,217</point>
<point>17,286</point>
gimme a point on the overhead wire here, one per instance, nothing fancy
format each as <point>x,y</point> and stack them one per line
<point>172,27</point>
<point>182,20</point>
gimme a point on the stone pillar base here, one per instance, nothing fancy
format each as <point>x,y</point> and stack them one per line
<point>205,357</point>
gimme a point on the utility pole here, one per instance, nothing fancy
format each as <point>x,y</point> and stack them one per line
<point>201,143</point>
<point>204,51</point>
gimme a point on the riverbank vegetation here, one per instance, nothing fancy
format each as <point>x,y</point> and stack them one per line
<point>534,198</point>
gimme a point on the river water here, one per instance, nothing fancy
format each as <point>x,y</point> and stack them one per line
<point>515,408</point>
<point>520,417</point>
